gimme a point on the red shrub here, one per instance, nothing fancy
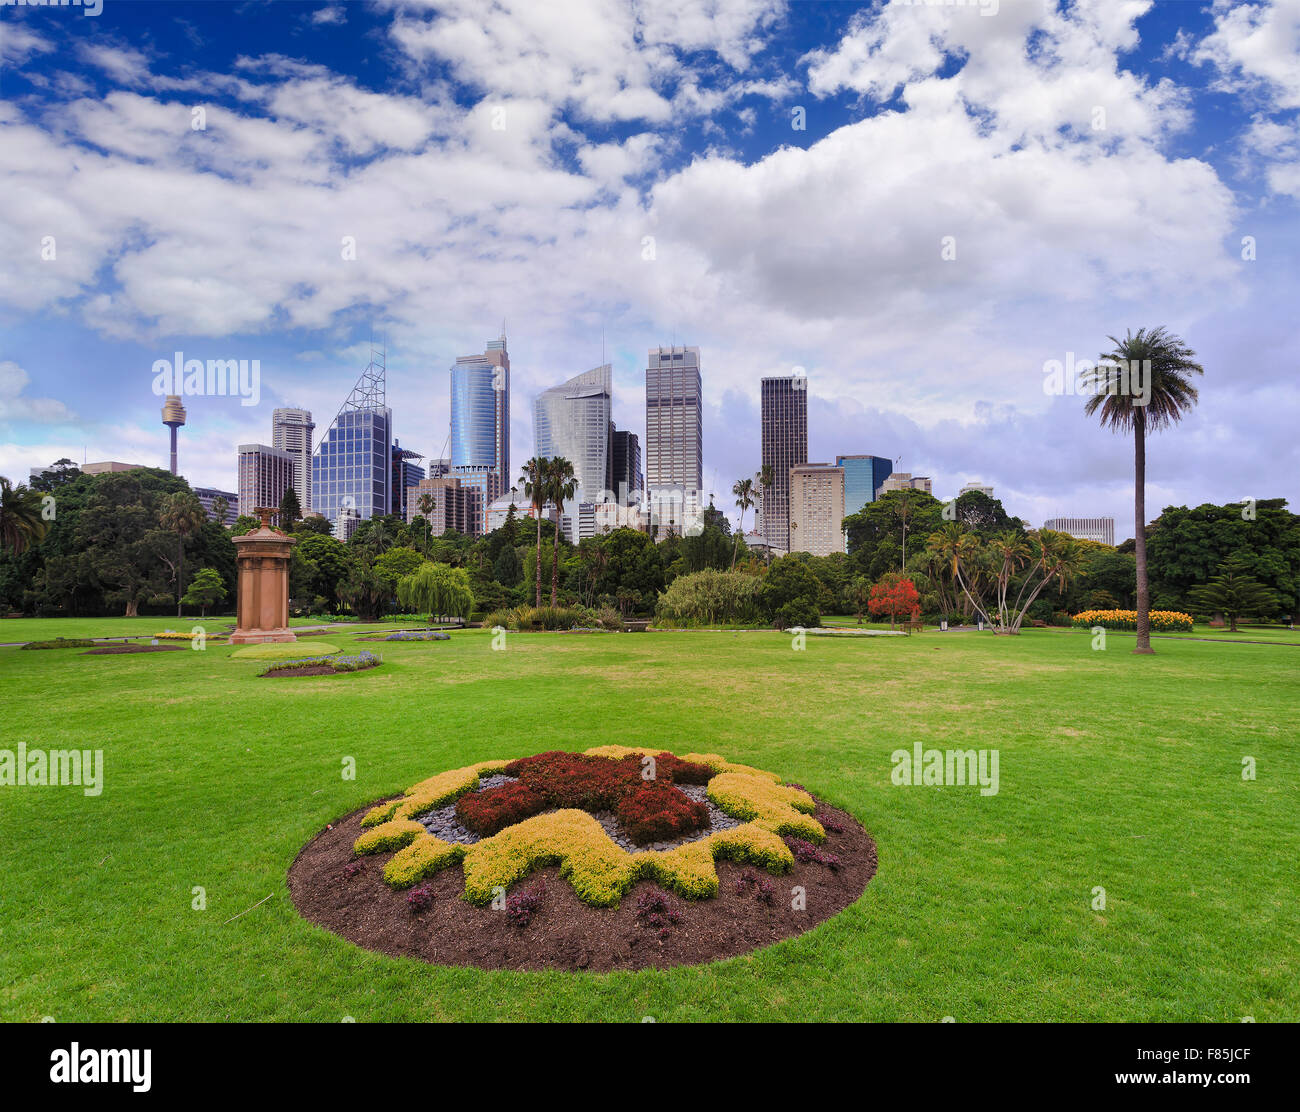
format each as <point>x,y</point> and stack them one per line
<point>489,811</point>
<point>658,812</point>
<point>668,767</point>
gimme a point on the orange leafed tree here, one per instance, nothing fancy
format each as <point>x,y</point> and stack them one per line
<point>894,596</point>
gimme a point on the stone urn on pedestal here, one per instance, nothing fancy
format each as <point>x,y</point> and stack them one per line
<point>262,558</point>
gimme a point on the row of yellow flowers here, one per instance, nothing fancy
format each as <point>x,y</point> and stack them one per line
<point>1162,621</point>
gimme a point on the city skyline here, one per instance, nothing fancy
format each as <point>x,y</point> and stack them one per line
<point>734,194</point>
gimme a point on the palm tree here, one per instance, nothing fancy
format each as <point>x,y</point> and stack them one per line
<point>425,506</point>
<point>563,484</point>
<point>1168,365</point>
<point>765,478</point>
<point>535,487</point>
<point>743,489</point>
<point>183,515</point>
<point>1010,552</point>
<point>21,524</point>
<point>379,540</point>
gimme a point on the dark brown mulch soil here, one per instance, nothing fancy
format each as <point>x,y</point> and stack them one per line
<point>565,933</point>
<point>118,650</point>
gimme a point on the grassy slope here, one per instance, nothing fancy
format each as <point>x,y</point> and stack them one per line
<point>1116,771</point>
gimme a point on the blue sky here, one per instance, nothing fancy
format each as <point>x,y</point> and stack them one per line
<point>507,160</point>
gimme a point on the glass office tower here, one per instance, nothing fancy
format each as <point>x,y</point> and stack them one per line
<point>480,422</point>
<point>572,420</point>
<point>862,478</point>
<point>352,468</point>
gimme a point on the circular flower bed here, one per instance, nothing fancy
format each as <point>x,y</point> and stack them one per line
<point>688,836</point>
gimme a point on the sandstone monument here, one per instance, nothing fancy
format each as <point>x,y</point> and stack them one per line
<point>262,557</point>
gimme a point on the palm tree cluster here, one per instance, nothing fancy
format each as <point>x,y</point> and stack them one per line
<point>548,480</point>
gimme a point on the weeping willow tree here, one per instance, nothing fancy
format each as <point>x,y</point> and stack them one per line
<point>439,590</point>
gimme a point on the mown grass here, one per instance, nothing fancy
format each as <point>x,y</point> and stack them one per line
<point>1116,771</point>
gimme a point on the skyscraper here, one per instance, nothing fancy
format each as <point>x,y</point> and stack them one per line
<point>674,428</point>
<point>817,509</point>
<point>862,478</point>
<point>291,431</point>
<point>406,473</point>
<point>784,407</point>
<point>265,473</point>
<point>573,420</point>
<point>480,422</point>
<point>626,478</point>
<point>353,465</point>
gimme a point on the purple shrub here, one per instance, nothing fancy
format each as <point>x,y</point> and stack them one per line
<point>420,899</point>
<point>522,906</point>
<point>655,911</point>
<point>806,853</point>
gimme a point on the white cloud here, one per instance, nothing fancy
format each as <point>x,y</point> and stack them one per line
<point>1256,47</point>
<point>827,256</point>
<point>334,14</point>
<point>608,60</point>
<point>15,406</point>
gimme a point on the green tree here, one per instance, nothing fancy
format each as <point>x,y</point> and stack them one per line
<point>790,593</point>
<point>877,533</point>
<point>361,589</point>
<point>1234,592</point>
<point>439,589</point>
<point>290,510</point>
<point>507,570</point>
<point>1167,366</point>
<point>182,514</point>
<point>206,589</point>
<point>329,557</point>
<point>395,564</point>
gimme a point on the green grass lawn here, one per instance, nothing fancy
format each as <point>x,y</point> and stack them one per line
<point>1116,771</point>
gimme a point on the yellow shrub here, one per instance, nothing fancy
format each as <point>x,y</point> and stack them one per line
<point>721,764</point>
<point>389,835</point>
<point>774,805</point>
<point>599,870</point>
<point>687,870</point>
<point>423,857</point>
<point>433,792</point>
<point>752,844</point>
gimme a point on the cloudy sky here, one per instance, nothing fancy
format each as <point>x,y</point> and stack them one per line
<point>920,204</point>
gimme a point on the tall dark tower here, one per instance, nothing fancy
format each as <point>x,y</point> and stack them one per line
<point>173,415</point>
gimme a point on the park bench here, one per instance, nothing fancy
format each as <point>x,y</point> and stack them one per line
<point>913,627</point>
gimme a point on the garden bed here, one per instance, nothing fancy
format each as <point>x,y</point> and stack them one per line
<point>324,666</point>
<point>676,901</point>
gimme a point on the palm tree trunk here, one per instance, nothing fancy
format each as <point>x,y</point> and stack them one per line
<point>538,601</point>
<point>180,572</point>
<point>555,563</point>
<point>1140,533</point>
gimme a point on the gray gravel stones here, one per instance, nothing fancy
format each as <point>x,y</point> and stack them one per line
<point>442,822</point>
